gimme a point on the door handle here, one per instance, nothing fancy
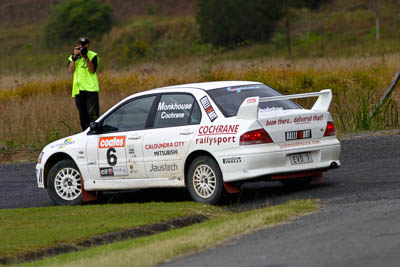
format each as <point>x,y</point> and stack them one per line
<point>134,137</point>
<point>186,133</point>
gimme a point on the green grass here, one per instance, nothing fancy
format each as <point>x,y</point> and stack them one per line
<point>151,250</point>
<point>37,228</point>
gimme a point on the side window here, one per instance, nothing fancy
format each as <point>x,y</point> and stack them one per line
<point>177,110</point>
<point>195,117</point>
<point>131,116</point>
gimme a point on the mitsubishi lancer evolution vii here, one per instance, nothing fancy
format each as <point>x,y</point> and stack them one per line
<point>209,137</point>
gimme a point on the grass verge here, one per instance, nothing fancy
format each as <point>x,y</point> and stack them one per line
<point>33,229</point>
<point>158,248</point>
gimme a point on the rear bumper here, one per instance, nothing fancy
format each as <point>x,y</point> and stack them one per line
<point>249,166</point>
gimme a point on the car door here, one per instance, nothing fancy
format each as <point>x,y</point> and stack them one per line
<point>117,151</point>
<point>176,121</point>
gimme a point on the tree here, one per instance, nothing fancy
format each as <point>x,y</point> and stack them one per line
<point>73,18</point>
<point>232,22</point>
<point>288,11</point>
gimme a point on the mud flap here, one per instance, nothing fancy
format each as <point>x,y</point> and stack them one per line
<point>231,188</point>
<point>86,195</point>
<point>318,179</point>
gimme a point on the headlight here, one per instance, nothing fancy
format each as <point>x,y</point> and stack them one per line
<point>39,160</point>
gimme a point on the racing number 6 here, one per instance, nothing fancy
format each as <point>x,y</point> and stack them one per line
<point>111,156</point>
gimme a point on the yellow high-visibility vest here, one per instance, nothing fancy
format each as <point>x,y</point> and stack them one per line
<point>83,79</point>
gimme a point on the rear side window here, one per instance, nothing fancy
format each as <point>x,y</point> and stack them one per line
<point>177,110</point>
<point>229,99</point>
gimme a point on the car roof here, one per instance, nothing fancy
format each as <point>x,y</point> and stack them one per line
<point>210,85</point>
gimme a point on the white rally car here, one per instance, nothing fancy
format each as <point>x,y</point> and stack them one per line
<point>208,137</point>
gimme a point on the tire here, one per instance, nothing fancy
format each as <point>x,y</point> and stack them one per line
<point>204,180</point>
<point>297,182</point>
<point>64,183</point>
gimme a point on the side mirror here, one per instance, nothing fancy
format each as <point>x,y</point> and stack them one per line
<point>94,127</point>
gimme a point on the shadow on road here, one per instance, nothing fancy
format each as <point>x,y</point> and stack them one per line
<point>253,195</point>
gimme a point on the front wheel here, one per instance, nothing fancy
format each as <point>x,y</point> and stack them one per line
<point>204,180</point>
<point>64,183</point>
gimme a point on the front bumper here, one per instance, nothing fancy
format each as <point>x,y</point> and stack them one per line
<point>39,176</point>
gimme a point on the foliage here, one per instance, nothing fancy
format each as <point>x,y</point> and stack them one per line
<point>234,22</point>
<point>37,112</point>
<point>73,18</point>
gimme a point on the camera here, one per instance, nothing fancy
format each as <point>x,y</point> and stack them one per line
<point>83,51</point>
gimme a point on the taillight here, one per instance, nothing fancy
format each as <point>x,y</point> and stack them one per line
<point>259,136</point>
<point>330,129</point>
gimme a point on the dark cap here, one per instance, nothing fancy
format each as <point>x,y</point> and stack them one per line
<point>83,40</point>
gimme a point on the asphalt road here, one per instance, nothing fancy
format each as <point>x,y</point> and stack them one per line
<point>358,224</point>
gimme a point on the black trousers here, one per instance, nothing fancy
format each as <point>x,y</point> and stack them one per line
<point>88,107</point>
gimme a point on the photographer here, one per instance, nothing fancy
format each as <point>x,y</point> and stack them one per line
<point>85,89</point>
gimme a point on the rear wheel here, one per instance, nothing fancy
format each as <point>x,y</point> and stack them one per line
<point>64,183</point>
<point>297,182</point>
<point>204,180</point>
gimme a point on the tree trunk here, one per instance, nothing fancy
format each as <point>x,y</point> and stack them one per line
<point>376,8</point>
<point>288,33</point>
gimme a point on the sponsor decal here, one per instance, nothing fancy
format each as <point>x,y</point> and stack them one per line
<point>165,115</point>
<point>113,141</point>
<point>120,171</point>
<point>81,155</point>
<point>296,120</point>
<point>299,143</point>
<point>132,169</point>
<point>106,171</point>
<point>232,160</point>
<point>294,135</point>
<point>218,129</point>
<point>67,142</point>
<point>308,119</point>
<point>205,131</point>
<point>113,171</point>
<point>164,145</point>
<point>215,140</point>
<point>164,167</point>
<point>252,100</point>
<point>240,88</point>
<point>131,151</point>
<point>174,106</point>
<point>269,109</point>
<point>208,108</point>
<point>166,152</point>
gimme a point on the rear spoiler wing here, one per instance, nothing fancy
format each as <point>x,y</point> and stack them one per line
<point>249,108</point>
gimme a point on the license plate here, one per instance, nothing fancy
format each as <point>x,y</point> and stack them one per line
<point>295,135</point>
<point>301,158</point>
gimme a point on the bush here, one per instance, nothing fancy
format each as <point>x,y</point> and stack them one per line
<point>73,18</point>
<point>233,22</point>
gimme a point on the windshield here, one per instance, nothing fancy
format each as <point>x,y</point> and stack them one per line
<point>229,99</point>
